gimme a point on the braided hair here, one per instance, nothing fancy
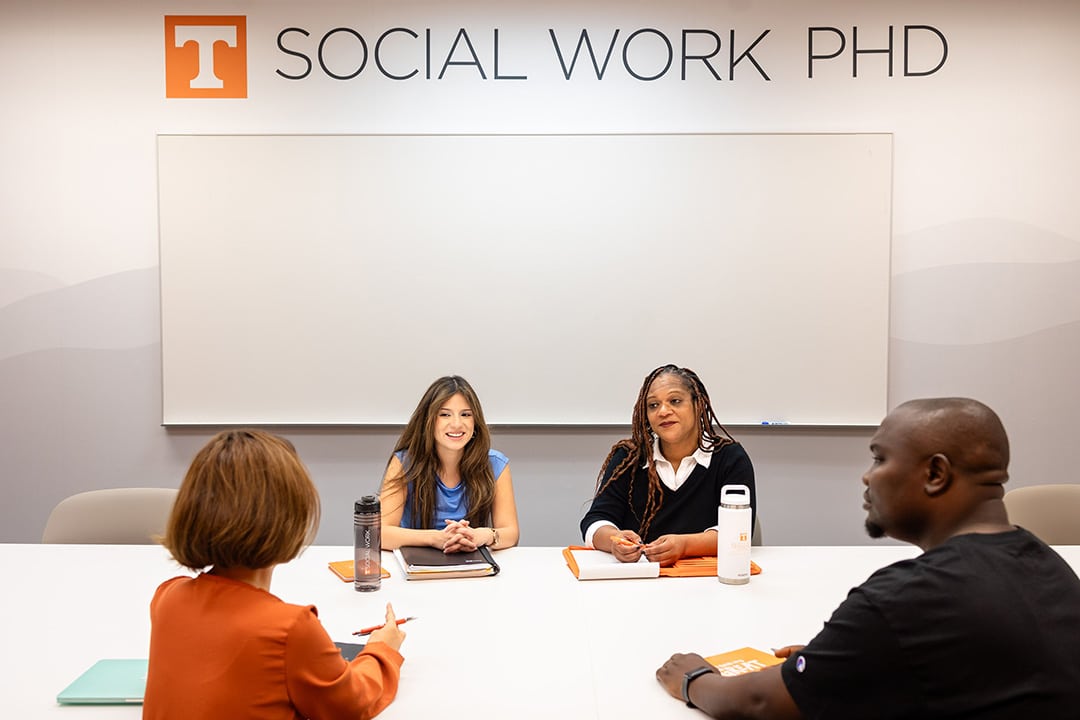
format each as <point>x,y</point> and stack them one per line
<point>639,446</point>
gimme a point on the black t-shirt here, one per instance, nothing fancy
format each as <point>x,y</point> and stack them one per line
<point>982,626</point>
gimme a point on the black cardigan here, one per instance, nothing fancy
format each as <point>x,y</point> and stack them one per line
<point>690,509</point>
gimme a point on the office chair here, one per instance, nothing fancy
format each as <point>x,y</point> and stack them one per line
<point>117,516</point>
<point>755,536</point>
<point>1050,512</point>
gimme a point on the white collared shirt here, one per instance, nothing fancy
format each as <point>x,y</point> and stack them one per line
<point>671,477</point>
<point>675,478</point>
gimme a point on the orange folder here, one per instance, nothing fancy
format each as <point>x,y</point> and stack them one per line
<point>685,567</point>
<point>699,567</point>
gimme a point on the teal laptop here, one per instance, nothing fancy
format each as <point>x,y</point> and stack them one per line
<point>108,682</point>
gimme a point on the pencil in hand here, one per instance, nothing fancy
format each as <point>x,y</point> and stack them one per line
<point>369,630</point>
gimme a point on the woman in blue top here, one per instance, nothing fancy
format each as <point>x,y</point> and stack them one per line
<point>444,486</point>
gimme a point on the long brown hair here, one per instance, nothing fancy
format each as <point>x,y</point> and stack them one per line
<point>639,446</point>
<point>420,464</point>
<point>246,501</point>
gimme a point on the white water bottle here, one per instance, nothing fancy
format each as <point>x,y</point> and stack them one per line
<point>733,535</point>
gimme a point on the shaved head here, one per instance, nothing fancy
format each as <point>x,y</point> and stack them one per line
<point>966,431</point>
<point>939,469</point>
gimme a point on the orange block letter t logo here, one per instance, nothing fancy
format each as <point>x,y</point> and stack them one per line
<point>205,56</point>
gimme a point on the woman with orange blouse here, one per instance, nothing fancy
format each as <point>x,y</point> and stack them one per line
<point>222,646</point>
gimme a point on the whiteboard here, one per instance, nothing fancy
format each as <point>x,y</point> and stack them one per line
<point>328,279</point>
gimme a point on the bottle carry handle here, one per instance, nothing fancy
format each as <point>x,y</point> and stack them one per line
<point>735,496</point>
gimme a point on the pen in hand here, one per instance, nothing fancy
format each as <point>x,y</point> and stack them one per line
<point>626,542</point>
<point>369,630</point>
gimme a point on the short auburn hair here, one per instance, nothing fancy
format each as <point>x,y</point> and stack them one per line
<point>247,501</point>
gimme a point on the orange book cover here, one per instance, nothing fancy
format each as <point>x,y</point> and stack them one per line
<point>344,570</point>
<point>743,660</point>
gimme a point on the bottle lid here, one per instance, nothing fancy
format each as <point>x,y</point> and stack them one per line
<point>367,504</point>
<point>735,496</point>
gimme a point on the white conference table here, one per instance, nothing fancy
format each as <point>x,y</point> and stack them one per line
<point>533,642</point>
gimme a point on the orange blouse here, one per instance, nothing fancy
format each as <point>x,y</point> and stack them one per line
<point>222,648</point>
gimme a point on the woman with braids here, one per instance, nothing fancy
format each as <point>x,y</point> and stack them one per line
<point>658,490</point>
<point>444,485</point>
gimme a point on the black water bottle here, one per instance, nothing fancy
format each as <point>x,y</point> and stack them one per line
<point>367,544</point>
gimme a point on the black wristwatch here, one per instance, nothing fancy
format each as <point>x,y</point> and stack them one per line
<point>688,678</point>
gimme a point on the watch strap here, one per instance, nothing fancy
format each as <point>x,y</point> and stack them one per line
<point>689,677</point>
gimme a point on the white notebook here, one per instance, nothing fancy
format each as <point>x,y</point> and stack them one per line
<point>599,565</point>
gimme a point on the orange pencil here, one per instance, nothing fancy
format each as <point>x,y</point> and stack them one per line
<point>369,630</point>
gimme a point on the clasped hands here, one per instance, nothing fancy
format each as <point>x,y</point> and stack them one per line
<point>459,536</point>
<point>627,547</point>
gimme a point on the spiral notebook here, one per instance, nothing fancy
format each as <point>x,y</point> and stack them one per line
<point>108,682</point>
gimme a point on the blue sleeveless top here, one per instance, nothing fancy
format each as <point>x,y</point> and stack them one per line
<point>450,503</point>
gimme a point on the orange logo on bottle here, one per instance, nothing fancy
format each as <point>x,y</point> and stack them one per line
<point>205,56</point>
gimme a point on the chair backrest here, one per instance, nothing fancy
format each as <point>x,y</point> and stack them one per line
<point>1051,512</point>
<point>755,536</point>
<point>117,516</point>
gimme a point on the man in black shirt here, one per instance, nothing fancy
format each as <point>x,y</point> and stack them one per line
<point>984,624</point>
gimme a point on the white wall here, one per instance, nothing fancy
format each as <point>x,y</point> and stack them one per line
<point>986,228</point>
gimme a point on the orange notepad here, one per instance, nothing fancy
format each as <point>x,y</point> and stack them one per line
<point>344,570</point>
<point>741,661</point>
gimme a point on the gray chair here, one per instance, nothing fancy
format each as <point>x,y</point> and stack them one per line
<point>117,516</point>
<point>755,536</point>
<point>1050,512</point>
